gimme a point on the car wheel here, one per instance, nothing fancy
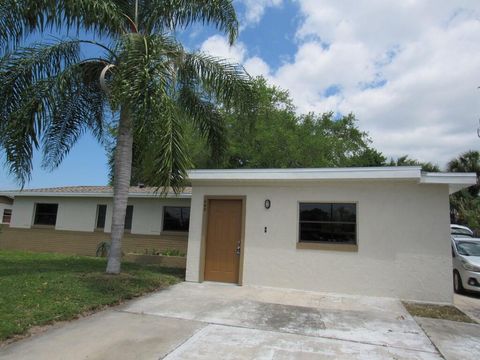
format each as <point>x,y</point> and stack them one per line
<point>457,283</point>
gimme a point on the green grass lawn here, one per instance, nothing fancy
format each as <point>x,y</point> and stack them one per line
<point>38,289</point>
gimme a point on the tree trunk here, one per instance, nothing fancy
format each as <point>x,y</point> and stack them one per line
<point>121,185</point>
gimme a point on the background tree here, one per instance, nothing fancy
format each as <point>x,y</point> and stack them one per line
<point>270,134</point>
<point>467,162</point>
<point>51,95</point>
<point>465,204</point>
<point>406,161</point>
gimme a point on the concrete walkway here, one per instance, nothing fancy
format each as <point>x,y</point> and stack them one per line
<point>215,321</point>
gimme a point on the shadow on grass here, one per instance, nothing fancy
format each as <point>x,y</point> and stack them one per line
<point>38,289</point>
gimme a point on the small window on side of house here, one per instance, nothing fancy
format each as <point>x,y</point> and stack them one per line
<point>45,214</point>
<point>176,218</point>
<point>101,216</point>
<point>328,223</point>
<point>129,217</point>
<point>7,216</point>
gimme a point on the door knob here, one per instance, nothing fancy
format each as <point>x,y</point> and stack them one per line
<point>237,250</point>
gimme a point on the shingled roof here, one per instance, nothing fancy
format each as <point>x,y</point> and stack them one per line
<point>95,190</point>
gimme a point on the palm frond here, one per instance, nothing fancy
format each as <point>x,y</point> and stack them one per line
<point>145,69</point>
<point>165,157</point>
<point>207,119</point>
<point>228,83</point>
<point>79,107</point>
<point>161,15</point>
<point>48,95</point>
<point>20,18</point>
<point>26,78</point>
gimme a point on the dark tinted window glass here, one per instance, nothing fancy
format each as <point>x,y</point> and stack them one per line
<point>101,216</point>
<point>344,212</point>
<point>328,222</point>
<point>7,215</point>
<point>315,212</point>
<point>315,231</point>
<point>46,214</point>
<point>176,218</point>
<point>129,217</point>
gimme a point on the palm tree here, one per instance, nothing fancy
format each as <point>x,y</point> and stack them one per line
<point>405,160</point>
<point>51,94</point>
<point>465,204</point>
<point>467,162</point>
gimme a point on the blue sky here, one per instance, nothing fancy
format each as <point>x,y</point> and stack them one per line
<point>408,70</point>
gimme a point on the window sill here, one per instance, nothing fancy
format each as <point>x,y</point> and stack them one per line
<point>327,246</point>
<point>174,233</point>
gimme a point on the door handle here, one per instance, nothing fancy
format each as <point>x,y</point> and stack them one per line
<point>237,250</point>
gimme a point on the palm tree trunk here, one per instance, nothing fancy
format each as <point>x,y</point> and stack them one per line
<point>121,185</point>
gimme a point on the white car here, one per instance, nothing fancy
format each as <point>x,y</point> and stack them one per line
<point>466,264</point>
<point>460,230</point>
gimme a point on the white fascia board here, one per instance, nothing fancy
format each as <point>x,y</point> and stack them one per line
<point>370,173</point>
<point>455,181</point>
<point>92,195</point>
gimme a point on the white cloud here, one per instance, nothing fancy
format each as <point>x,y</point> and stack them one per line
<point>254,9</point>
<point>217,45</point>
<point>409,70</point>
<point>255,66</point>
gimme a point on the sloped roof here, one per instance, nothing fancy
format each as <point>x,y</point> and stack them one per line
<point>102,191</point>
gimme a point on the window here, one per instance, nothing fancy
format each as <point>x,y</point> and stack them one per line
<point>129,217</point>
<point>46,214</point>
<point>176,218</point>
<point>328,223</point>
<point>101,215</point>
<point>7,215</point>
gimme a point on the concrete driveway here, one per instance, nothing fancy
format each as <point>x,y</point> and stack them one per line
<point>469,304</point>
<point>216,321</point>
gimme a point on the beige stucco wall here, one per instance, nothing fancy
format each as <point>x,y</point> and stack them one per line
<point>403,239</point>
<point>79,214</point>
<point>22,213</point>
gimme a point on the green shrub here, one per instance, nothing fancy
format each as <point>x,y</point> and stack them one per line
<point>103,249</point>
<point>172,252</point>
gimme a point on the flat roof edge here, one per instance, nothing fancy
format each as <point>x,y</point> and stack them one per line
<point>405,172</point>
<point>449,178</point>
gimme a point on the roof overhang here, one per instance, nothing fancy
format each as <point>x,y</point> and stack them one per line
<point>455,181</point>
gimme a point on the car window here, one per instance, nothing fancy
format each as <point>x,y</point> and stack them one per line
<point>463,232</point>
<point>468,248</point>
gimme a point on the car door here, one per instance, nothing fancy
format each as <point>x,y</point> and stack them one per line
<point>455,258</point>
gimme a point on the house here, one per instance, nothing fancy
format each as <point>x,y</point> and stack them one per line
<point>76,219</point>
<point>371,231</point>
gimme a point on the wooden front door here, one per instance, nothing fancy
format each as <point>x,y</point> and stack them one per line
<point>224,231</point>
